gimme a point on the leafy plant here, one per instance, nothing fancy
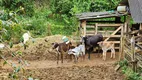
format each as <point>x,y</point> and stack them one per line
<point>130,74</point>
<point>15,5</point>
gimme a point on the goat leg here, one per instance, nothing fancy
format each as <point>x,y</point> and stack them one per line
<point>57,57</point>
<point>75,59</point>
<point>111,54</point>
<point>83,57</point>
<point>114,53</point>
<point>89,55</point>
<point>103,55</point>
<point>61,57</point>
<point>70,57</point>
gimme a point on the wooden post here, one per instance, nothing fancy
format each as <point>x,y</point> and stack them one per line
<point>133,53</point>
<point>96,28</point>
<point>141,26</point>
<point>121,43</point>
<point>83,24</point>
<point>123,39</point>
<point>128,20</point>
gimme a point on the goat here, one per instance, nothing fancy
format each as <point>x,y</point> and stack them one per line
<point>61,48</point>
<point>2,46</point>
<point>79,50</point>
<point>25,38</point>
<point>107,46</point>
<point>91,42</point>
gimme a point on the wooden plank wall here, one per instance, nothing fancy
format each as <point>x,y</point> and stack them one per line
<point>94,29</point>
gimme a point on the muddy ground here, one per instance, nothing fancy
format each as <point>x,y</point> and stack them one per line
<point>42,64</point>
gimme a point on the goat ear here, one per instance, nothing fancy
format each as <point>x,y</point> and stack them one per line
<point>52,43</point>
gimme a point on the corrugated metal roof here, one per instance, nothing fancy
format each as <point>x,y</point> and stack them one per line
<point>136,10</point>
<point>97,15</point>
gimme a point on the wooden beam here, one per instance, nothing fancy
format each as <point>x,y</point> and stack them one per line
<point>105,31</point>
<point>110,25</point>
<point>90,32</point>
<point>106,25</point>
<point>114,32</point>
<point>90,26</point>
<point>101,21</point>
<point>96,28</point>
<point>93,32</point>
<point>112,36</point>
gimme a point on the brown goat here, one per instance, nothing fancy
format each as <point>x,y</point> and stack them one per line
<point>61,49</point>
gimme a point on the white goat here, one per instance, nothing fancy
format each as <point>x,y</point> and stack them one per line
<point>79,50</point>
<point>26,37</point>
<point>107,46</point>
<point>2,46</point>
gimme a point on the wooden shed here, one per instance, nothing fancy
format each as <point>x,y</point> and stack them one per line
<point>108,23</point>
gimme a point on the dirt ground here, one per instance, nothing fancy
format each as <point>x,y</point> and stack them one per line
<point>43,66</point>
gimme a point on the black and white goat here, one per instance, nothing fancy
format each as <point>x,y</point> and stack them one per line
<point>78,51</point>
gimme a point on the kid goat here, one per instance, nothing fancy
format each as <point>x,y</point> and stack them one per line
<point>107,46</point>
<point>77,51</point>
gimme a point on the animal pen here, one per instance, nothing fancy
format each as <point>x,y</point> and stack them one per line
<point>113,30</point>
<point>108,24</point>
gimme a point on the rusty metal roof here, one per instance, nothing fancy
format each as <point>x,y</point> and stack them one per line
<point>97,15</point>
<point>136,10</point>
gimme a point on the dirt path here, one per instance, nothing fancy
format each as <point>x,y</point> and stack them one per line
<point>94,69</point>
<point>53,63</point>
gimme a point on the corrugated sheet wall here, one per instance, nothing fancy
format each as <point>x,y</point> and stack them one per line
<point>136,10</point>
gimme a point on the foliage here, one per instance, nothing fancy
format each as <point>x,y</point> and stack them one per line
<point>71,7</point>
<point>123,63</point>
<point>12,31</point>
<point>130,74</point>
<point>103,5</point>
<point>15,5</point>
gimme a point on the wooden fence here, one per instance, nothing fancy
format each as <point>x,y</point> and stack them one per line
<point>132,52</point>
